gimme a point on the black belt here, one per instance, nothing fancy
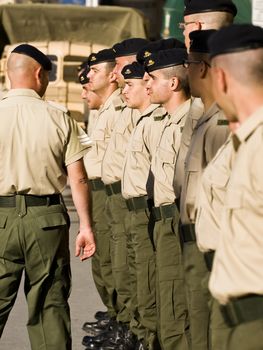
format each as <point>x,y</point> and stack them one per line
<point>187,233</point>
<point>30,200</point>
<point>114,188</point>
<point>244,309</point>
<point>96,184</point>
<point>209,258</point>
<point>137,203</point>
<point>164,212</point>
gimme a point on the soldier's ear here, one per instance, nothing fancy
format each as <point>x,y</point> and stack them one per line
<point>175,84</point>
<point>203,69</point>
<point>112,77</point>
<point>221,79</point>
<point>39,73</point>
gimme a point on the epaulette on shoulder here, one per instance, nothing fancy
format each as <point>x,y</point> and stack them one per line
<point>159,114</point>
<point>59,107</point>
<point>158,118</point>
<point>118,104</point>
<point>222,122</point>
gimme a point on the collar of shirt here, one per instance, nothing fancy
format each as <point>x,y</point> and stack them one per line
<point>209,114</point>
<point>22,92</point>
<point>109,100</point>
<point>247,128</point>
<point>180,111</point>
<point>119,102</point>
<point>147,112</point>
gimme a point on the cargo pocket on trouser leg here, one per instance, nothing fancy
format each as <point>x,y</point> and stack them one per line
<point>173,314</point>
<point>48,280</point>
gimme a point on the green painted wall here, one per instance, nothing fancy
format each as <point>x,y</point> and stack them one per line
<point>173,14</point>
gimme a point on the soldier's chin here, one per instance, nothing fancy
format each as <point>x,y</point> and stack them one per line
<point>153,100</point>
<point>130,104</point>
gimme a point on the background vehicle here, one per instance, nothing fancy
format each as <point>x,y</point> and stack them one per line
<point>67,34</point>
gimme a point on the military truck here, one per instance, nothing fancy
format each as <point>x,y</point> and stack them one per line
<point>67,34</point>
<point>64,87</point>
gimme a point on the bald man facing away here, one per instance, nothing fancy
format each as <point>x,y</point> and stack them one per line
<point>40,145</point>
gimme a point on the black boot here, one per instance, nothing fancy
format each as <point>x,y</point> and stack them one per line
<point>94,329</point>
<point>102,315</point>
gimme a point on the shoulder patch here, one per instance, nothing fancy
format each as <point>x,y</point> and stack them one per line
<point>85,140</point>
<point>118,104</point>
<point>222,122</point>
<point>58,106</point>
<point>158,118</point>
<point>159,114</point>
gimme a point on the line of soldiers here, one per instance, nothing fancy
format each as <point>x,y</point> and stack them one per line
<point>175,172</point>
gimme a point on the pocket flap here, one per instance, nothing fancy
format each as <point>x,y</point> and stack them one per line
<point>98,135</point>
<point>51,220</point>
<point>234,199</point>
<point>3,219</point>
<point>166,156</point>
<point>137,146</point>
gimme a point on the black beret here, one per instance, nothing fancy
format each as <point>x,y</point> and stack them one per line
<point>83,79</point>
<point>133,71</point>
<point>83,65</point>
<point>129,47</point>
<point>33,52</point>
<point>165,58</point>
<point>106,55</point>
<point>235,38</point>
<point>156,46</point>
<point>199,6</point>
<point>199,40</point>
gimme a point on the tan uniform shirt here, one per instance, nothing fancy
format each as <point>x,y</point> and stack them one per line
<point>136,181</point>
<point>212,198</point>
<point>163,164</point>
<point>93,116</point>
<point>195,112</point>
<point>114,156</point>
<point>101,132</point>
<point>237,268</point>
<point>208,136</point>
<point>37,141</point>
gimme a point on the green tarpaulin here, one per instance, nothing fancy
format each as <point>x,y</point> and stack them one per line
<point>103,25</point>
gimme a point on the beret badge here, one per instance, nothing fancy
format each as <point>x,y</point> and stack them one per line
<point>146,54</point>
<point>150,63</point>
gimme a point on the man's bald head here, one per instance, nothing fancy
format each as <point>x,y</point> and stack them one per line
<point>204,21</point>
<point>244,67</point>
<point>26,73</point>
<point>236,55</point>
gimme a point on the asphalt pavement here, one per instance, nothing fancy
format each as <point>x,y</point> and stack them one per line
<point>84,300</point>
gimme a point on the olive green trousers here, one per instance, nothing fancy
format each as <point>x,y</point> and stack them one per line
<point>35,240</point>
<point>195,271</point>
<point>172,314</point>
<point>142,265</point>
<point>101,261</point>
<point>117,213</point>
<point>246,336</point>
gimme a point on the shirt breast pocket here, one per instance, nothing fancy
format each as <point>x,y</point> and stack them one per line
<point>120,132</point>
<point>137,146</point>
<point>218,184</point>
<point>192,181</point>
<point>98,136</point>
<point>234,199</point>
<point>136,150</point>
<point>167,164</point>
